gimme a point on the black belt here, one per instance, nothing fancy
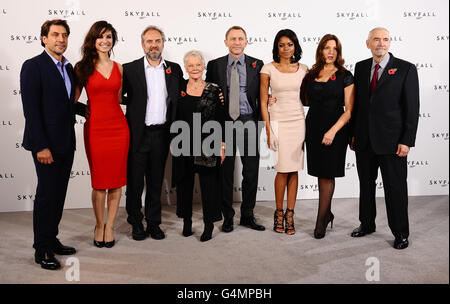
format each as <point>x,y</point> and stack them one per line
<point>246,117</point>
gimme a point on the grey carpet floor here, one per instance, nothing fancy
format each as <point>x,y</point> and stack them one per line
<point>244,255</point>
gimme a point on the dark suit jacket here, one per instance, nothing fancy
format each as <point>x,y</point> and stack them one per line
<point>49,112</point>
<point>134,91</point>
<point>216,72</point>
<point>390,115</point>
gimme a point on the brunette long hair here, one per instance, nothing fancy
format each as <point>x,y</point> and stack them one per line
<point>86,66</point>
<point>320,60</point>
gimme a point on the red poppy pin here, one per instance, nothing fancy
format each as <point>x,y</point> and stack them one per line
<point>333,77</point>
<point>183,93</point>
<point>168,70</point>
<point>254,64</point>
<point>392,71</point>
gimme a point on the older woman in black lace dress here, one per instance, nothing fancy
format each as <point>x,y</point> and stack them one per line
<point>198,101</point>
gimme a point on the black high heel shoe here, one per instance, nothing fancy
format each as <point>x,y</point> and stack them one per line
<point>97,243</point>
<point>320,234</point>
<point>109,244</point>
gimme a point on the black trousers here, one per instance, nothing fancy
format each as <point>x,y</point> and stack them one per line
<point>52,181</point>
<point>148,163</point>
<point>394,173</point>
<point>210,191</point>
<point>250,171</point>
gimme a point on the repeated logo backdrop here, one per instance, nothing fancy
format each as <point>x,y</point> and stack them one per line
<point>419,31</point>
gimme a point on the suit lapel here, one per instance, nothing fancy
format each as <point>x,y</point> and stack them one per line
<point>250,71</point>
<point>56,74</point>
<point>72,82</point>
<point>222,73</point>
<point>140,69</point>
<point>168,76</point>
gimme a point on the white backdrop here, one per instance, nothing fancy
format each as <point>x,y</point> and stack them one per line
<point>419,31</point>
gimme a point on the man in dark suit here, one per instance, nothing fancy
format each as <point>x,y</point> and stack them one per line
<point>384,129</point>
<point>48,88</point>
<point>150,90</point>
<point>237,74</point>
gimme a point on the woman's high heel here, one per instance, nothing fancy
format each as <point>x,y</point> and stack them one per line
<point>289,227</point>
<point>97,243</point>
<point>320,234</point>
<point>331,219</point>
<point>109,244</point>
<point>278,221</point>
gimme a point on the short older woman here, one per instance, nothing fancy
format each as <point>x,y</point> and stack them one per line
<point>198,99</point>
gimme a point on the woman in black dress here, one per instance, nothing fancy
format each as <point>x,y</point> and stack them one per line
<point>328,90</point>
<point>198,99</point>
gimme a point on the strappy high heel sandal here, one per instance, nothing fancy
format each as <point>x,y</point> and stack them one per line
<point>278,221</point>
<point>289,227</point>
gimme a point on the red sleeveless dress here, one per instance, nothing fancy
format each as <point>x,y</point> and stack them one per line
<point>106,133</point>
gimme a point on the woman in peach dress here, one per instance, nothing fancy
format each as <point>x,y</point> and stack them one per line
<point>285,122</point>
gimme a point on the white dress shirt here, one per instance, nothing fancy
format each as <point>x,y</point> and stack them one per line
<point>382,64</point>
<point>156,93</point>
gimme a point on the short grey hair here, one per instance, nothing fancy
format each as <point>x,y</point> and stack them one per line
<point>193,53</point>
<point>153,28</point>
<point>376,29</point>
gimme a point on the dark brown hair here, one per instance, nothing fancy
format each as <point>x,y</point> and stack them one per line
<point>45,28</point>
<point>86,66</point>
<point>320,60</point>
<point>235,27</point>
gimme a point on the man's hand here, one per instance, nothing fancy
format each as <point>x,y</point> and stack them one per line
<point>402,150</point>
<point>45,157</point>
<point>222,101</point>
<point>272,100</point>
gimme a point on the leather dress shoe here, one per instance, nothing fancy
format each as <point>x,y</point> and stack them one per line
<point>155,232</point>
<point>362,231</point>
<point>227,225</point>
<point>47,261</point>
<point>250,222</point>
<point>138,232</point>
<point>60,249</point>
<point>401,242</point>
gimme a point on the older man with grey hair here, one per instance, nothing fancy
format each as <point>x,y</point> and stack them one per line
<point>150,90</point>
<point>384,126</point>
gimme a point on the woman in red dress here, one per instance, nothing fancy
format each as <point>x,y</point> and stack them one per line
<point>106,133</point>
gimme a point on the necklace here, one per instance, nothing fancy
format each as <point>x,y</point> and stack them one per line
<point>198,86</point>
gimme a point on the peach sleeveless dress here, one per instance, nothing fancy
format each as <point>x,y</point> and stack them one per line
<point>287,117</point>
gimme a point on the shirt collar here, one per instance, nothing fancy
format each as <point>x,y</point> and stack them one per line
<point>383,62</point>
<point>64,59</point>
<point>161,64</point>
<point>231,59</point>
